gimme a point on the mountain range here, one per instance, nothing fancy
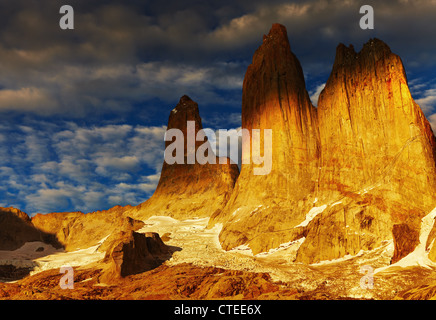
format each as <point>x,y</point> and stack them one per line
<point>353,181</point>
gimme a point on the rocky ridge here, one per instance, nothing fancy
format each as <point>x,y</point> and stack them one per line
<point>76,230</point>
<point>16,229</point>
<point>377,158</point>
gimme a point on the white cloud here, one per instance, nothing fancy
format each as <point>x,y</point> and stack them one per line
<point>82,168</point>
<point>166,80</point>
<point>147,144</point>
<point>147,187</point>
<point>27,99</point>
<point>314,94</point>
<point>428,100</point>
<point>432,120</point>
<point>47,200</point>
<point>6,171</point>
<point>108,163</point>
<point>244,29</point>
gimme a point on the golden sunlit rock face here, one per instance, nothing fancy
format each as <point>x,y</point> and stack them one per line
<point>373,135</point>
<point>264,209</point>
<point>366,153</point>
<point>377,158</point>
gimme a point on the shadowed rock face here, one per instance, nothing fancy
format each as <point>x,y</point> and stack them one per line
<point>16,229</point>
<point>189,190</point>
<point>130,253</point>
<point>367,153</point>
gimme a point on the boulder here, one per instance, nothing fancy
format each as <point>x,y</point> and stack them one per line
<point>129,253</point>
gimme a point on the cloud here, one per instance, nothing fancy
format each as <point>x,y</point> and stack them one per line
<point>76,91</point>
<point>167,80</point>
<point>27,99</point>
<point>428,100</point>
<point>424,93</point>
<point>247,28</point>
<point>62,196</point>
<point>226,143</point>
<point>105,165</point>
<point>223,120</point>
<point>82,168</point>
<point>124,53</point>
<point>147,144</point>
<point>432,120</point>
<point>314,94</point>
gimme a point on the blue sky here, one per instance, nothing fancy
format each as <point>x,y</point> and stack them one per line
<point>83,112</point>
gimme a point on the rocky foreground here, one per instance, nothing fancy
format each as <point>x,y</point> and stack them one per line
<point>192,265</point>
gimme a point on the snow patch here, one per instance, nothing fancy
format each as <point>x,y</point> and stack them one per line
<point>157,221</point>
<point>369,188</point>
<point>256,210</point>
<point>244,249</point>
<point>295,245</point>
<point>419,256</point>
<point>312,214</point>
<point>234,212</point>
<point>344,258</point>
<point>74,259</point>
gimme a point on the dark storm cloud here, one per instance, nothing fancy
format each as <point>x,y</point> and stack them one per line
<point>125,52</point>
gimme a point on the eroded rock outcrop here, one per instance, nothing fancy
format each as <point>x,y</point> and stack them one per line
<point>129,253</point>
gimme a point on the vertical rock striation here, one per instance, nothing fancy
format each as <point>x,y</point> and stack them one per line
<point>373,135</point>
<point>377,157</point>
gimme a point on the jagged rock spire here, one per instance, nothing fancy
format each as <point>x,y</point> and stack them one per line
<point>274,97</point>
<point>189,189</point>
